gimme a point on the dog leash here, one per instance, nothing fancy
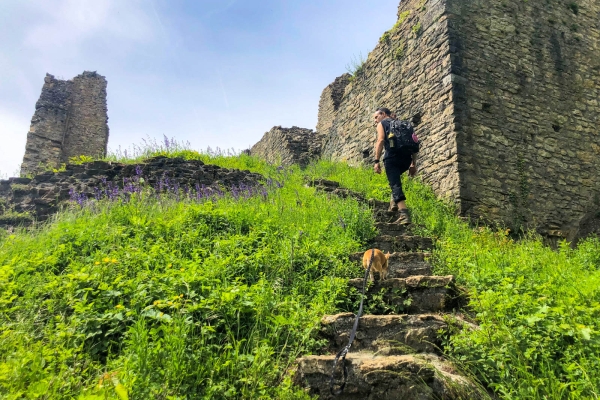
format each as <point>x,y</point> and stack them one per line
<point>341,356</point>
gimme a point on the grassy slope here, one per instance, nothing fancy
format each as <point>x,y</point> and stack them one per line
<point>167,299</point>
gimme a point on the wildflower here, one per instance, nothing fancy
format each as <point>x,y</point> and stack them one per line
<point>106,259</point>
<point>161,314</point>
<point>119,306</point>
<point>180,296</point>
<point>169,303</point>
<point>156,302</point>
<point>114,260</point>
<point>181,269</point>
<point>97,263</point>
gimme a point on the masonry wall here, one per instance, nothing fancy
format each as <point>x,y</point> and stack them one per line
<point>87,131</point>
<point>330,102</point>
<point>70,120</point>
<point>528,85</point>
<point>508,93</point>
<point>409,71</point>
<point>26,200</point>
<point>288,146</point>
<point>47,130</point>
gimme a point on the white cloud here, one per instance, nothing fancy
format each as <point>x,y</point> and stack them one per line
<point>69,23</point>
<point>13,129</point>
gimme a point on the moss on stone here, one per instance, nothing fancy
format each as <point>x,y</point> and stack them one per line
<point>15,218</point>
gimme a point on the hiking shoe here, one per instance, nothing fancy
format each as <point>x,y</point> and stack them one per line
<point>404,218</point>
<point>393,206</point>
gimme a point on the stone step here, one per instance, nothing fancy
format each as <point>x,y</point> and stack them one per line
<point>386,228</point>
<point>401,243</point>
<point>402,265</point>
<point>402,377</point>
<point>412,295</point>
<point>381,213</point>
<point>385,334</point>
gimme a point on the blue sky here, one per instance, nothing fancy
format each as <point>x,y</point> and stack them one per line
<point>214,73</point>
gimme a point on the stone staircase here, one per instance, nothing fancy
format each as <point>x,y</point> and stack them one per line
<point>395,356</point>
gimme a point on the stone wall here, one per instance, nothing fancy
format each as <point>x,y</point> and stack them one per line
<point>528,112</point>
<point>408,72</point>
<point>24,200</point>
<point>288,146</point>
<point>507,93</point>
<point>330,101</point>
<point>70,120</point>
<point>87,131</point>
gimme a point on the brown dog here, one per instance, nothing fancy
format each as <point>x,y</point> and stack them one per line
<point>380,263</point>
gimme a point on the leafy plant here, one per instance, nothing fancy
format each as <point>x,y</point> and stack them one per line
<point>417,29</point>
<point>574,7</point>
<point>385,38</point>
<point>399,53</point>
<point>356,67</point>
<point>82,159</point>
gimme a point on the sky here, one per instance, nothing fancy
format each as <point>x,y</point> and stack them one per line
<point>208,72</point>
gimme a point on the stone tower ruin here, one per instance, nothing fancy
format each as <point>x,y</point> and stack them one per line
<point>70,120</point>
<point>506,95</point>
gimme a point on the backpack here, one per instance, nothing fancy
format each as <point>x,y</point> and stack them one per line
<point>400,137</point>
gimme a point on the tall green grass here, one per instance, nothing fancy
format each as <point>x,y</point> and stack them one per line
<point>161,298</point>
<point>174,299</point>
<point>538,309</point>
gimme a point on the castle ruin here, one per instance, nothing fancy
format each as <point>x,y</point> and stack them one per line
<point>287,146</point>
<point>70,120</point>
<point>506,99</point>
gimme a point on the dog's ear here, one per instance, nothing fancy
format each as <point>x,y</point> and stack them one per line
<point>387,256</point>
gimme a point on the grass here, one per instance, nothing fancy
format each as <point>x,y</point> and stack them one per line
<point>174,299</point>
<point>166,299</point>
<point>356,67</point>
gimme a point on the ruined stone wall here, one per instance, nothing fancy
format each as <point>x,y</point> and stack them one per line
<point>288,146</point>
<point>330,101</point>
<point>528,112</point>
<point>70,120</point>
<point>508,93</point>
<point>47,130</point>
<point>409,71</point>
<point>25,200</point>
<point>87,131</point>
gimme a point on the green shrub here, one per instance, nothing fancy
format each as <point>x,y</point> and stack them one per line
<point>385,38</point>
<point>417,29</point>
<point>356,67</point>
<point>574,7</point>
<point>399,53</point>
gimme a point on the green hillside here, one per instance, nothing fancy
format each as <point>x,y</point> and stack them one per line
<point>167,297</point>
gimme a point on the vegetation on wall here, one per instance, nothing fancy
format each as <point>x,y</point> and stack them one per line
<point>356,67</point>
